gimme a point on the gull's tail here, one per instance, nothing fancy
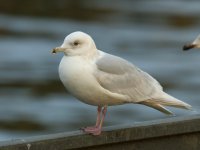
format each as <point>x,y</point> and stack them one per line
<point>166,100</point>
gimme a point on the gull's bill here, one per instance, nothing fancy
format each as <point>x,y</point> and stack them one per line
<point>57,49</point>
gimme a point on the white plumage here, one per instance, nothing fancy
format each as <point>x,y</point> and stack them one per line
<point>101,79</point>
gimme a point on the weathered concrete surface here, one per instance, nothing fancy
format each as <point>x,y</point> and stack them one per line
<point>182,133</point>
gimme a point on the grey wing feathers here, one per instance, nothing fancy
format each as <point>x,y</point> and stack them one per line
<point>119,76</point>
<point>157,106</point>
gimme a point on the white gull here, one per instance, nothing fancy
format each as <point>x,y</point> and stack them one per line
<point>101,79</point>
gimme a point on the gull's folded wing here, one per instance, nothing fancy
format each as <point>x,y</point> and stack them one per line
<point>119,76</point>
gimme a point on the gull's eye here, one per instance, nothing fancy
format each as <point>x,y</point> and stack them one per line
<point>76,43</point>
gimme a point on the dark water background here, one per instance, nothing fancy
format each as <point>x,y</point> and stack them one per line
<point>150,34</point>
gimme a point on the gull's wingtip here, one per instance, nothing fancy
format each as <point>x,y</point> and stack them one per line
<point>188,47</point>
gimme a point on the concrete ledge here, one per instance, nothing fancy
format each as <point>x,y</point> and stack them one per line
<point>166,134</point>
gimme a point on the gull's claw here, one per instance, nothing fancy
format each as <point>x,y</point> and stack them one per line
<point>92,130</point>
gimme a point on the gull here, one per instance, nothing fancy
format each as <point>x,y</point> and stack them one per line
<point>194,44</point>
<point>101,79</point>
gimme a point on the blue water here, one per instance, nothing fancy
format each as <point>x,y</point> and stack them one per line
<point>150,35</point>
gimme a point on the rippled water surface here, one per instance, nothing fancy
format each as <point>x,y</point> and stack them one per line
<point>150,35</point>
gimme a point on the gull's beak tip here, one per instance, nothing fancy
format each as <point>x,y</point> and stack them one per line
<point>53,51</point>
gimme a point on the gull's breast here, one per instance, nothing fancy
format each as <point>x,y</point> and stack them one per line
<point>77,76</point>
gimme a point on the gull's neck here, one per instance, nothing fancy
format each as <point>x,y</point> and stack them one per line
<point>90,55</point>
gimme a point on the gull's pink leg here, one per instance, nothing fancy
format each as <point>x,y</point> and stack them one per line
<point>98,116</point>
<point>91,129</point>
<point>98,131</point>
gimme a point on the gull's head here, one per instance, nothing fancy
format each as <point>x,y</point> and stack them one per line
<point>194,44</point>
<point>76,43</point>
